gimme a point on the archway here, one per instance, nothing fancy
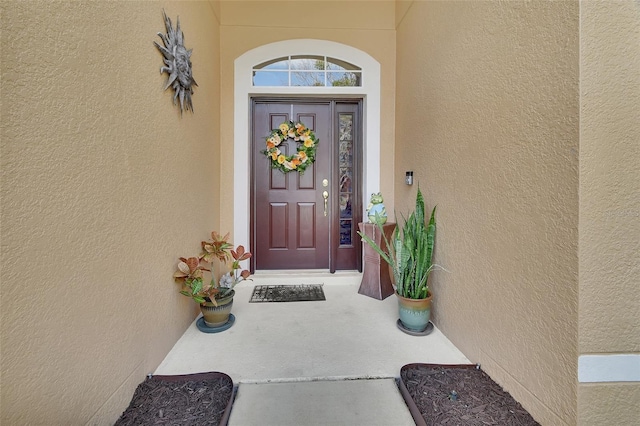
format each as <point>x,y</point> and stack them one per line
<point>244,90</point>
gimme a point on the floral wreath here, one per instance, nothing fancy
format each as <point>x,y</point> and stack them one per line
<point>305,155</point>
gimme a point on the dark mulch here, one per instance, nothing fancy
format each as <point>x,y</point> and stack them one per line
<point>459,395</point>
<point>196,399</point>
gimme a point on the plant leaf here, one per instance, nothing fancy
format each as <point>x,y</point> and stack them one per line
<point>183,268</point>
<point>192,263</point>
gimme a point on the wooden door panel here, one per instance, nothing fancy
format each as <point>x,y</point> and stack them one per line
<point>290,229</point>
<point>308,179</point>
<point>278,225</point>
<point>306,226</point>
<point>276,119</point>
<point>277,180</point>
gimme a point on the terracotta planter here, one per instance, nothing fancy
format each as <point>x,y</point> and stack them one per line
<point>414,313</point>
<point>216,316</point>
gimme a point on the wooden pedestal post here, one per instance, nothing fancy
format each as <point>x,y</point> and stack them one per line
<point>376,282</point>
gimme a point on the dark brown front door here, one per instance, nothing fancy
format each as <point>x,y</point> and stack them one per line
<point>292,225</point>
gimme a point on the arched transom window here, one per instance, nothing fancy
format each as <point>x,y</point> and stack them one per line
<point>307,70</point>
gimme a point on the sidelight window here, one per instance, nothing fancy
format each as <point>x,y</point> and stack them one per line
<point>347,227</point>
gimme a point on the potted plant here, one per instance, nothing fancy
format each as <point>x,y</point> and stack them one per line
<point>216,298</point>
<point>409,254</point>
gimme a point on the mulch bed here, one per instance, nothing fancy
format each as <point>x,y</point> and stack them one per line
<point>435,395</point>
<point>194,399</point>
<point>455,395</point>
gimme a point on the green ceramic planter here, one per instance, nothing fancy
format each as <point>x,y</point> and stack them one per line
<point>414,313</point>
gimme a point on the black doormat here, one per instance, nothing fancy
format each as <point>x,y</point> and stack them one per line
<point>287,293</point>
<point>191,399</point>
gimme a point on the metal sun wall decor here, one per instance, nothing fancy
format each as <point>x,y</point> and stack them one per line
<point>177,64</point>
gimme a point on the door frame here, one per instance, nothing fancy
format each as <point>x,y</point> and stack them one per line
<point>244,90</point>
<point>334,200</point>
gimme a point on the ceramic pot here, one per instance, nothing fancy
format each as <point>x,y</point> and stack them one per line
<point>216,316</point>
<point>414,313</point>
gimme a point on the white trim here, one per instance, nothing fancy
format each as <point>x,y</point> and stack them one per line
<point>609,368</point>
<point>243,90</point>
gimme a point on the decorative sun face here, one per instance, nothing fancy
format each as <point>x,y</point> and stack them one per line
<point>177,64</point>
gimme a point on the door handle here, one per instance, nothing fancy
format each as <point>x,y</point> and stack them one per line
<point>325,195</point>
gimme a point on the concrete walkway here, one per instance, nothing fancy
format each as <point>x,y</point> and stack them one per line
<point>312,351</point>
<point>346,402</point>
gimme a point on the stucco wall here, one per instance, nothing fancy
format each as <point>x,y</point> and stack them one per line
<point>610,404</point>
<point>487,118</point>
<point>368,26</point>
<point>104,185</point>
<point>609,201</point>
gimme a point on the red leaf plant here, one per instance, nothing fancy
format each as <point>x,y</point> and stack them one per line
<point>190,271</point>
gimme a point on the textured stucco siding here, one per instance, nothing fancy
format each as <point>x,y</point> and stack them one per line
<point>487,119</point>
<point>104,185</point>
<point>615,404</point>
<point>609,317</point>
<point>610,177</point>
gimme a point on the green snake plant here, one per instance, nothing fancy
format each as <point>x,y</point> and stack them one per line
<point>409,252</point>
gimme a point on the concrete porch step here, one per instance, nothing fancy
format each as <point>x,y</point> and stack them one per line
<point>340,402</point>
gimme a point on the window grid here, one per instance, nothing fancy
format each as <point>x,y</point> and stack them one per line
<point>330,72</point>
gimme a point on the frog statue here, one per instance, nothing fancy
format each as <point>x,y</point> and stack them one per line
<point>376,210</point>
